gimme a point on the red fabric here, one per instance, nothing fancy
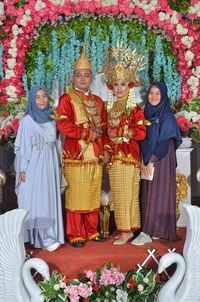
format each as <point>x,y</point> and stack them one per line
<point>81,226</point>
<point>74,132</point>
<point>138,134</point>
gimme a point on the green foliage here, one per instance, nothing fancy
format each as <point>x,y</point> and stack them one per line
<point>144,289</point>
<point>77,25</point>
<point>181,6</point>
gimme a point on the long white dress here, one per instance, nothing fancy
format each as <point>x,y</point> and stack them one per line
<point>37,153</point>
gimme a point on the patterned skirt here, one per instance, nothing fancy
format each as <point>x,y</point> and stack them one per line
<point>124,183</point>
<point>84,187</point>
<point>159,199</point>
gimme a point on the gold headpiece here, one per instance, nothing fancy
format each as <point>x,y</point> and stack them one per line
<point>122,65</point>
<point>82,62</point>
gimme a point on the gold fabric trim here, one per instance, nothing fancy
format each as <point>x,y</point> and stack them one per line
<point>75,162</point>
<point>81,116</point>
<point>56,116</point>
<point>89,150</point>
<point>144,122</point>
<point>129,159</point>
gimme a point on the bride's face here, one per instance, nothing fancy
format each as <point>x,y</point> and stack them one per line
<point>120,89</point>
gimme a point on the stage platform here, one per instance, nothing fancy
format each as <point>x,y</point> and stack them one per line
<point>72,262</point>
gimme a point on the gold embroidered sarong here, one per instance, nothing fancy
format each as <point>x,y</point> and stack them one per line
<point>84,181</point>
<point>124,182</point>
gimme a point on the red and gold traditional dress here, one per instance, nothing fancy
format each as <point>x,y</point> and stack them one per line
<point>124,171</point>
<point>79,113</point>
<point>126,127</point>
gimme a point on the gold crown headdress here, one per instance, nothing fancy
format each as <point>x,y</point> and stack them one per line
<point>82,62</point>
<point>123,64</point>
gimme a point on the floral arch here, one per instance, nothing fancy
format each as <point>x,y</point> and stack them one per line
<point>21,18</point>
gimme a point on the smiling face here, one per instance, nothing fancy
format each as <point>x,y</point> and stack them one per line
<point>82,79</point>
<point>41,99</point>
<point>154,96</point>
<point>120,89</point>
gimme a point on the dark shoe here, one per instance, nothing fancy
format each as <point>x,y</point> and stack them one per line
<point>100,239</point>
<point>78,244</point>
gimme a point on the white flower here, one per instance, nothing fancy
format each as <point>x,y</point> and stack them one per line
<point>11,63</point>
<point>189,55</point>
<point>62,284</point>
<point>163,16</point>
<point>24,20</point>
<point>174,18</point>
<point>7,121</point>
<point>28,12</point>
<point>56,287</point>
<point>140,287</point>
<point>60,2</point>
<point>11,91</point>
<point>193,81</point>
<point>13,52</point>
<point>39,5</point>
<point>145,280</point>
<point>145,5</point>
<point>187,41</point>
<point>195,9</point>
<point>9,74</point>
<point>1,9</point>
<point>181,30</point>
<point>13,42</point>
<point>15,29</point>
<point>122,296</point>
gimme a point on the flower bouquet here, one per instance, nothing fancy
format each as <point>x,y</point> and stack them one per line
<point>188,117</point>
<point>106,284</point>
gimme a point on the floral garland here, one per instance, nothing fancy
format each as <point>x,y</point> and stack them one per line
<point>106,284</point>
<point>19,23</point>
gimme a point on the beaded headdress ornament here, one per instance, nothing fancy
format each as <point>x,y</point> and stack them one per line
<point>122,65</point>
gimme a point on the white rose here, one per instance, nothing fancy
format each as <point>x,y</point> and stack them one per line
<point>9,74</point>
<point>187,41</point>
<point>62,284</point>
<point>13,42</point>
<point>1,9</point>
<point>181,30</point>
<point>193,81</point>
<point>140,287</point>
<point>195,9</point>
<point>13,52</point>
<point>11,63</point>
<point>56,287</point>
<point>28,12</point>
<point>189,55</point>
<point>39,5</point>
<point>174,18</point>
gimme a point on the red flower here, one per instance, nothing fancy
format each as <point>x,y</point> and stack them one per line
<point>131,283</point>
<point>95,288</point>
<point>67,280</point>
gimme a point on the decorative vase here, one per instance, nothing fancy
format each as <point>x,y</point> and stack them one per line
<point>187,143</point>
